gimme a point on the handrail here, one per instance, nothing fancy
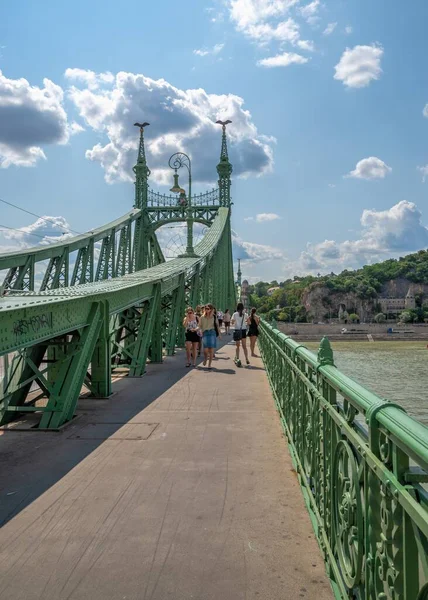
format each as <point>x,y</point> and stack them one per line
<point>362,463</point>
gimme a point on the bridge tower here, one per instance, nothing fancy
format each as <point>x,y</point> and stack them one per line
<point>145,238</point>
<point>224,168</point>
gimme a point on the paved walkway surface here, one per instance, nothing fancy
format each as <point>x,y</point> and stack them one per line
<point>179,487</point>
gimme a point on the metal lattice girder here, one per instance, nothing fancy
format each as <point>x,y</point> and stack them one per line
<point>15,262</point>
<point>176,313</point>
<point>83,271</point>
<point>56,275</point>
<point>144,335</point>
<point>123,261</point>
<point>100,374</point>
<point>66,389</point>
<point>61,326</point>
<point>20,277</point>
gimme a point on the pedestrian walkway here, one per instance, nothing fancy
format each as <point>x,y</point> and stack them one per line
<point>179,486</point>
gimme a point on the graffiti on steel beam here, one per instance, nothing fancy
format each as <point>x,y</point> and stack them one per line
<point>33,324</point>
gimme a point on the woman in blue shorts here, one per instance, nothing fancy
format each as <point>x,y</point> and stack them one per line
<point>207,324</point>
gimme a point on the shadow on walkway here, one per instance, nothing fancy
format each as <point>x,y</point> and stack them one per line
<point>32,461</point>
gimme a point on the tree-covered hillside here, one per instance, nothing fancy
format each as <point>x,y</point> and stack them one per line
<point>365,283</point>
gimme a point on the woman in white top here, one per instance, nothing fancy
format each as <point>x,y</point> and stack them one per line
<point>239,320</point>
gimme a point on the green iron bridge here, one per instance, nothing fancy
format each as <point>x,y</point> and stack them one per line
<point>75,313</point>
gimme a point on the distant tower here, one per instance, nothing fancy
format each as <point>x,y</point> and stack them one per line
<point>141,171</point>
<point>224,168</point>
<point>245,298</point>
<point>410,302</point>
<point>238,281</point>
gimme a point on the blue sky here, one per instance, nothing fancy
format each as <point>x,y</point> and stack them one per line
<point>327,99</point>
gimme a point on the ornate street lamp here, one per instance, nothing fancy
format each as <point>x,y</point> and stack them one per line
<point>176,161</point>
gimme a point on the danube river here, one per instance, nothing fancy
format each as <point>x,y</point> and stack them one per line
<point>397,371</point>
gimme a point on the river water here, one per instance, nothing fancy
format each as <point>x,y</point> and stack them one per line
<point>397,371</point>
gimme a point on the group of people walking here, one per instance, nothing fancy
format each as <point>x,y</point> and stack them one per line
<point>203,326</point>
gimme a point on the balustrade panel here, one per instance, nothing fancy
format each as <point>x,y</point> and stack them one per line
<point>362,463</point>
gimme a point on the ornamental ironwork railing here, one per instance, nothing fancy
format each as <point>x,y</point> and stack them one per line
<point>362,463</point>
<point>155,199</point>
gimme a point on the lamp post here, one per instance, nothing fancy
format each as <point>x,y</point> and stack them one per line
<point>177,161</point>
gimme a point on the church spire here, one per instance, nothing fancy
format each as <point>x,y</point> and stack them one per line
<point>224,168</point>
<point>238,281</point>
<point>141,171</point>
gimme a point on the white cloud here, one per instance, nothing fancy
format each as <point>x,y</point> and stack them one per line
<point>264,217</point>
<point>309,11</point>
<point>331,185</point>
<point>206,51</point>
<point>348,30</point>
<point>246,13</point>
<point>249,252</point>
<point>425,111</point>
<point>265,21</point>
<point>329,29</point>
<point>30,117</point>
<point>385,233</point>
<point>180,120</point>
<point>43,231</point>
<point>306,45</point>
<point>370,168</point>
<point>424,171</point>
<point>359,66</point>
<point>75,128</point>
<point>397,230</point>
<point>90,78</point>
<point>283,60</point>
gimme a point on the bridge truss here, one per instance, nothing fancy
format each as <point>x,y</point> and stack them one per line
<point>73,312</point>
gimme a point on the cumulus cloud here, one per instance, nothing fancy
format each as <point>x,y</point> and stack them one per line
<point>264,217</point>
<point>370,168</point>
<point>267,22</point>
<point>283,60</point>
<point>397,230</point>
<point>329,29</point>
<point>425,111</point>
<point>424,171</point>
<point>359,66</point>
<point>92,80</point>
<point>30,117</point>
<point>180,120</point>
<point>307,45</point>
<point>348,30</point>
<point>206,51</point>
<point>309,11</point>
<point>43,231</point>
<point>249,252</point>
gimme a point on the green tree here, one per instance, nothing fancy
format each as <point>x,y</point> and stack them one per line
<point>353,317</point>
<point>380,318</point>
<point>406,316</point>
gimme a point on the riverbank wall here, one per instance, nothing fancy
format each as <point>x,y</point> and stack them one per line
<point>312,332</point>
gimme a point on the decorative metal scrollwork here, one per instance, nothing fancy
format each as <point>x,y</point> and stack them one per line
<point>347,514</point>
<point>349,412</point>
<point>385,449</point>
<point>308,433</point>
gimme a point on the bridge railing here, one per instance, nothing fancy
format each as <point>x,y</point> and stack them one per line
<point>158,200</point>
<point>362,463</point>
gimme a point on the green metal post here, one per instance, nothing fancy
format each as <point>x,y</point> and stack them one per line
<point>101,361</point>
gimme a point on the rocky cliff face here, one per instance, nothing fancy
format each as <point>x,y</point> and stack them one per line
<point>320,300</point>
<point>398,288</point>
